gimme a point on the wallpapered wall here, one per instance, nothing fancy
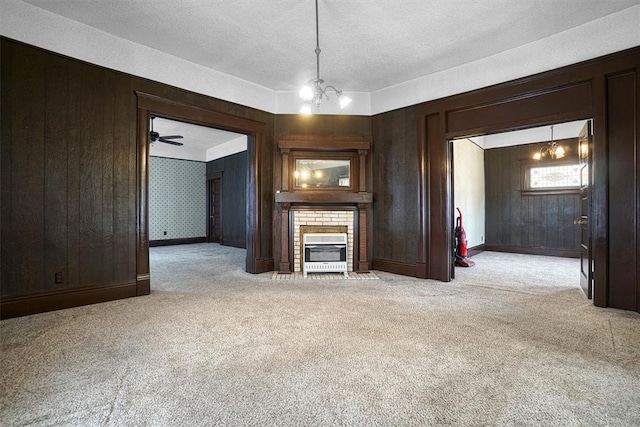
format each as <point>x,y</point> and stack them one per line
<point>177,198</point>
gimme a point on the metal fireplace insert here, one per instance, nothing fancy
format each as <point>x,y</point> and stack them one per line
<point>325,252</point>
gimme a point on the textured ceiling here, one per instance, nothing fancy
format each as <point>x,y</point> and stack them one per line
<point>366,45</point>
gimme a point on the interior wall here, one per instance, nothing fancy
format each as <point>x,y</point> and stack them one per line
<point>68,172</point>
<point>537,224</point>
<point>177,199</point>
<point>469,189</point>
<point>395,191</point>
<point>69,178</point>
<point>234,197</point>
<point>623,134</point>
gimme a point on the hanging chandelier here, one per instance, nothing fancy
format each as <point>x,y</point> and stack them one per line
<point>552,149</point>
<point>313,92</point>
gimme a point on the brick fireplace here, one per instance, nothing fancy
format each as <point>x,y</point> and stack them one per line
<point>321,186</point>
<point>322,221</point>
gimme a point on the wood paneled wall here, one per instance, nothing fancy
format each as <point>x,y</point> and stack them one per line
<point>68,164</point>
<point>624,183</point>
<point>321,125</point>
<point>69,178</point>
<point>537,224</point>
<point>395,190</point>
<point>234,197</point>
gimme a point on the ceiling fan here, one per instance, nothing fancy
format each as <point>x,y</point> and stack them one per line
<point>156,137</point>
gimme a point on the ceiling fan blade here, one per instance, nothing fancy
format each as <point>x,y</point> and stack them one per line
<point>172,136</point>
<point>161,139</point>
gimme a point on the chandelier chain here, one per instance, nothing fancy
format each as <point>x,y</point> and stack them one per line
<point>313,92</point>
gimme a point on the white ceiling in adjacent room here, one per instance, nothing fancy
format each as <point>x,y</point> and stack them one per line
<point>529,136</point>
<point>200,143</point>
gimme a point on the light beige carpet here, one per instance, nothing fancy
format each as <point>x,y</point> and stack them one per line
<point>512,341</point>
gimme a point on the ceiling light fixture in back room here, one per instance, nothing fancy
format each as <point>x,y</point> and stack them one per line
<point>313,92</point>
<point>552,149</point>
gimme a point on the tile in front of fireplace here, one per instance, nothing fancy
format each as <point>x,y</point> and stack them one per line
<point>324,276</point>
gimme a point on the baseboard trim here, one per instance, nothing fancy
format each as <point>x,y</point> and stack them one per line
<point>242,244</point>
<point>528,250</point>
<point>395,267</point>
<point>186,241</point>
<point>264,265</point>
<point>476,250</point>
<point>68,298</point>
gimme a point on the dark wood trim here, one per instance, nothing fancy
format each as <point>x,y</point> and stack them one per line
<point>623,116</point>
<point>348,147</point>
<point>57,300</point>
<point>209,203</point>
<point>422,270</point>
<point>143,284</point>
<point>197,115</point>
<point>395,267</point>
<point>637,184</point>
<point>264,265</point>
<point>324,142</point>
<point>324,197</point>
<point>549,192</point>
<point>361,238</point>
<point>504,112</point>
<point>599,212</point>
<point>564,253</point>
<point>254,130</point>
<point>185,241</point>
<point>476,250</point>
<point>235,243</point>
<point>142,202</point>
<point>285,238</point>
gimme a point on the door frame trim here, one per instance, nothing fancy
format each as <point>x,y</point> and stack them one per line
<point>210,179</point>
<point>146,104</point>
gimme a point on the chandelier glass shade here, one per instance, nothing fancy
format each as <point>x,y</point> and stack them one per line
<point>552,149</point>
<point>313,92</point>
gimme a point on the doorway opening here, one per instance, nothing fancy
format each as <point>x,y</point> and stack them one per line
<point>187,163</point>
<point>148,105</point>
<point>513,203</point>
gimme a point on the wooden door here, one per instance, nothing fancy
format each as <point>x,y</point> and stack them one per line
<point>586,261</point>
<point>214,188</point>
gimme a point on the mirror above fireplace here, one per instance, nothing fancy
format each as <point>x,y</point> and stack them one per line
<point>322,173</point>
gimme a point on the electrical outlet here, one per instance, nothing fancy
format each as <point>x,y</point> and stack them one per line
<point>59,278</point>
<point>165,233</point>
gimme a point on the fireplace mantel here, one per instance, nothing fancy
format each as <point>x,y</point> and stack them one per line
<point>324,198</point>
<point>351,193</point>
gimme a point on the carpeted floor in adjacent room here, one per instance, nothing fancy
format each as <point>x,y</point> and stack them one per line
<point>512,341</point>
